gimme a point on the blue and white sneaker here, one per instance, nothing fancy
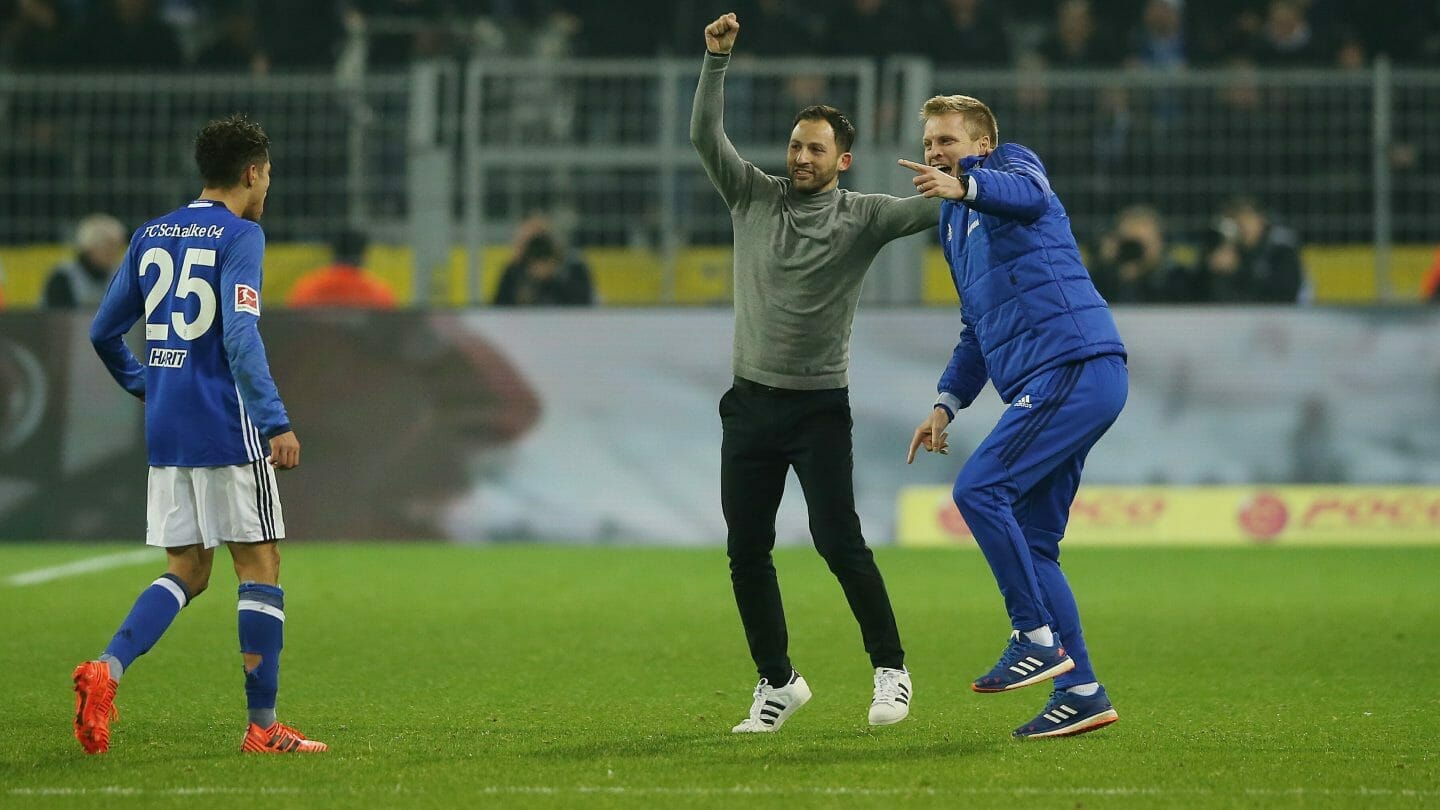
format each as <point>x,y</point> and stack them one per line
<point>1022,664</point>
<point>1068,714</point>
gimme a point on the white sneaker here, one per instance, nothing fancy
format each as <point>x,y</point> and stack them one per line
<point>892,697</point>
<point>772,706</point>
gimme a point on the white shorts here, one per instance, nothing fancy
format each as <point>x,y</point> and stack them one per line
<point>209,506</point>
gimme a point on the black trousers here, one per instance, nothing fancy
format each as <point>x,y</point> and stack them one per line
<point>767,431</point>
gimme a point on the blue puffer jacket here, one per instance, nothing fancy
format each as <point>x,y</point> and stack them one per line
<point>1027,302</point>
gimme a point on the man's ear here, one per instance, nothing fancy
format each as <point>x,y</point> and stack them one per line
<point>845,161</point>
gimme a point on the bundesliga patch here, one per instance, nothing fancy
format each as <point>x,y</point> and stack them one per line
<point>247,299</point>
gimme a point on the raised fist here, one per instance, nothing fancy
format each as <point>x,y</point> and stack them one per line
<point>720,35</point>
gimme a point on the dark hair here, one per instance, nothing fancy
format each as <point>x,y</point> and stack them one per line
<point>225,146</point>
<point>349,246</point>
<point>1242,204</point>
<point>844,130</point>
<point>541,247</point>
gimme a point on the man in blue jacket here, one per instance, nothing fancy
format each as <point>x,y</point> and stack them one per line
<point>1033,325</point>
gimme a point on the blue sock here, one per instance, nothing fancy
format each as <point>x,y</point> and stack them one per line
<point>154,610</point>
<point>262,632</point>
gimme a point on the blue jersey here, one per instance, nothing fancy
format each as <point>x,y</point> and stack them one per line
<point>194,276</point>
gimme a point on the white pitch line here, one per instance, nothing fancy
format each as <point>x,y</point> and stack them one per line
<point>746,790</point>
<point>116,790</point>
<point>86,566</point>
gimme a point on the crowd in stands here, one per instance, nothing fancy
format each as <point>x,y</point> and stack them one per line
<point>259,36</point>
<point>1241,253</point>
<point>540,272</point>
<point>1248,258</point>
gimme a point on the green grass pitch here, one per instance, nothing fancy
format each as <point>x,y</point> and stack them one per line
<point>563,677</point>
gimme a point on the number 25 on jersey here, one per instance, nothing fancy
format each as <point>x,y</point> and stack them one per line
<point>188,285</point>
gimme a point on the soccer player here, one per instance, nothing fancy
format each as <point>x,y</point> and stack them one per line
<point>1034,325</point>
<point>212,416</point>
<point>802,247</point>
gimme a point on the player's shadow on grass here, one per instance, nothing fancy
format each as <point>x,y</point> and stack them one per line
<point>798,748</point>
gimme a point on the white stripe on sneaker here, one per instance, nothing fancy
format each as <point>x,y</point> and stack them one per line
<point>772,706</point>
<point>1077,725</point>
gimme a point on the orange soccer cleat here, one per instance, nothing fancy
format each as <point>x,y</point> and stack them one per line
<point>279,739</point>
<point>94,706</point>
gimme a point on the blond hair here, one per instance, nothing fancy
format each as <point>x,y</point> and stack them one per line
<point>978,118</point>
<point>98,230</point>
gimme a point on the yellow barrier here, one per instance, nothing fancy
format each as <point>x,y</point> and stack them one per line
<point>26,270</point>
<point>1219,516</point>
<point>1342,274</point>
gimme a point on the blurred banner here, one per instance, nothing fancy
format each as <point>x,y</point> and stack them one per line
<point>1130,516</point>
<point>600,426</point>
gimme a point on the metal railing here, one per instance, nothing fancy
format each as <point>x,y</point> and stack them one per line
<point>454,154</point>
<point>73,144</point>
<point>603,147</point>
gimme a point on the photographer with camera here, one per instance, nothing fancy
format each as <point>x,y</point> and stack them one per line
<point>1246,258</point>
<point>1134,264</point>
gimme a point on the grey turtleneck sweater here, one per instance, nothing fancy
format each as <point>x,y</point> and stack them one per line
<point>799,258</point>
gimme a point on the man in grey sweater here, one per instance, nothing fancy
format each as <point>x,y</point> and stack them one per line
<point>802,247</point>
